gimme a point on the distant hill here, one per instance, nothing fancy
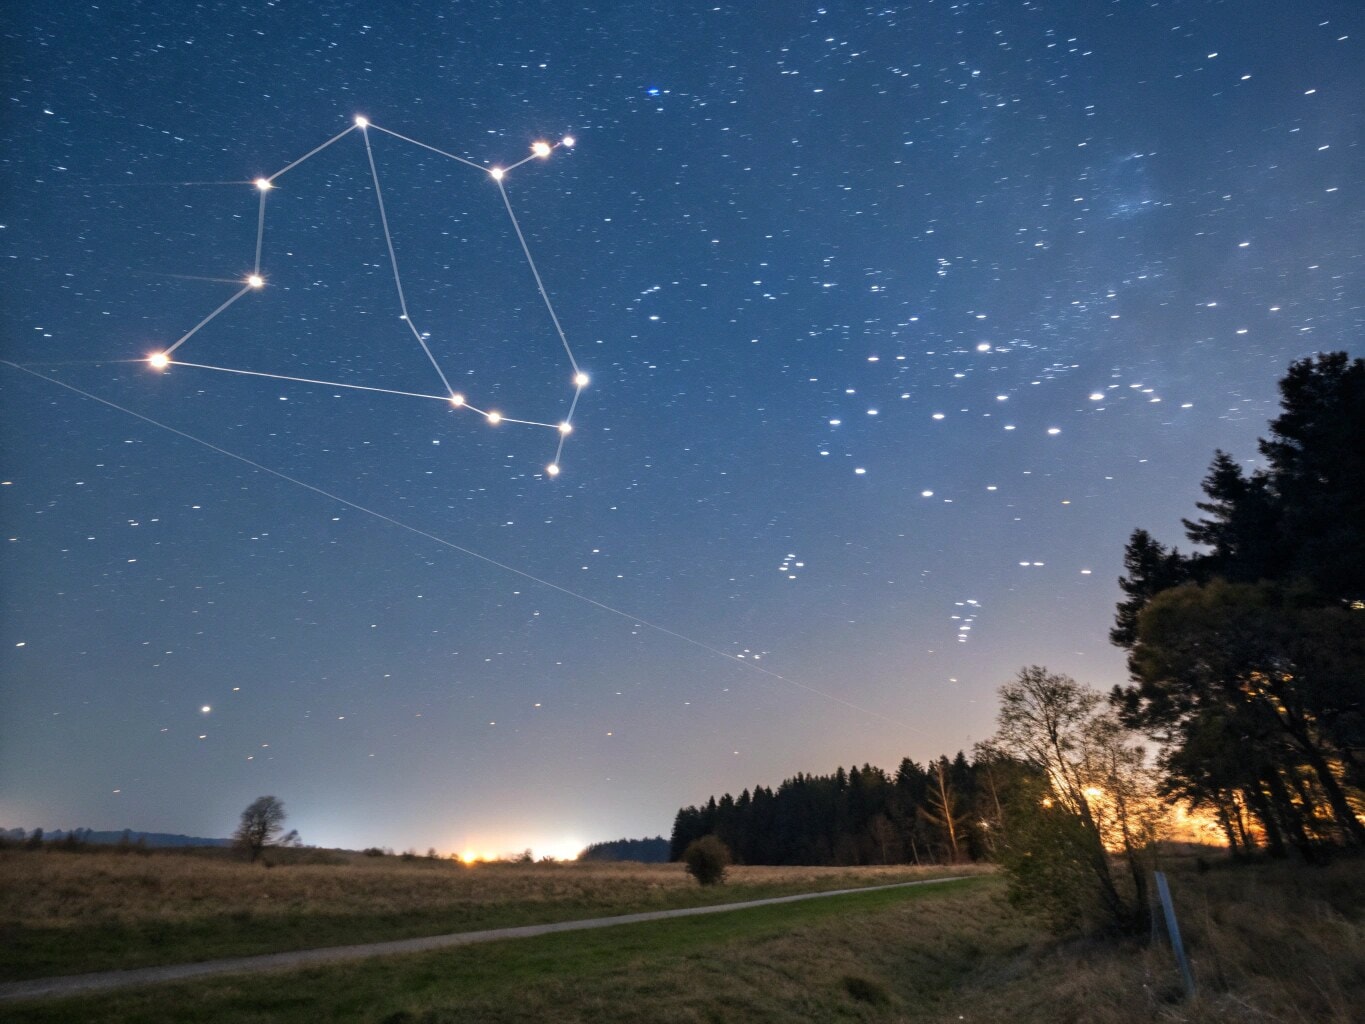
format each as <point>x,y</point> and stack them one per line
<point>110,838</point>
<point>648,851</point>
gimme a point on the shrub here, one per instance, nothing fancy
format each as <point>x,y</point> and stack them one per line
<point>707,859</point>
<point>866,990</point>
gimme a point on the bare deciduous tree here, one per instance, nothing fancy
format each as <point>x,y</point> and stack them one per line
<point>261,825</point>
<point>1099,794</point>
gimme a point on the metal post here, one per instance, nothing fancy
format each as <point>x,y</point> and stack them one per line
<point>1173,930</point>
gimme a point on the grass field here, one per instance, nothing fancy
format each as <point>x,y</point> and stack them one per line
<point>1269,943</point>
<point>73,913</point>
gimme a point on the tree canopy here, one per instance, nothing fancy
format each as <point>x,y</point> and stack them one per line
<point>261,825</point>
<point>1247,653</point>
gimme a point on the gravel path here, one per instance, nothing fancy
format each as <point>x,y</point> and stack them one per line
<point>75,984</point>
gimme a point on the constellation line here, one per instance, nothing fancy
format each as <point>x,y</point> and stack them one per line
<point>441,152</point>
<point>393,260</point>
<point>327,383</point>
<point>260,224</point>
<point>308,380</point>
<point>206,319</point>
<point>324,383</point>
<point>539,283</point>
<point>566,427</point>
<point>312,152</point>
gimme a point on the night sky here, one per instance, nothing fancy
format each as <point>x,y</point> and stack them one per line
<point>898,320</point>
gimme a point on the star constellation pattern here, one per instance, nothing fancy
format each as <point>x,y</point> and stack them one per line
<point>256,281</point>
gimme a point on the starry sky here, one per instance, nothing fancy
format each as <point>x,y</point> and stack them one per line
<point>898,319</point>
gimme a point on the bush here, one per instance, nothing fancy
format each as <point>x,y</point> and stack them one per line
<point>866,990</point>
<point>707,859</point>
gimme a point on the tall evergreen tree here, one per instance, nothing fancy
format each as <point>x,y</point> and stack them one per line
<point>1247,655</point>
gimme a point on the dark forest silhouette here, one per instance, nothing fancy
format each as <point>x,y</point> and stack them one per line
<point>645,851</point>
<point>927,814</point>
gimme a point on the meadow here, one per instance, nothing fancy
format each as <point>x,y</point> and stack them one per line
<point>68,913</point>
<point>1268,943</point>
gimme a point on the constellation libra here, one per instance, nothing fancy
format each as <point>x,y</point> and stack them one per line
<point>256,281</point>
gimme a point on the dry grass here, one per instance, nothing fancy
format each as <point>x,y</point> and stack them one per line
<point>68,913</point>
<point>1269,943</point>
<point>1282,943</point>
<point>78,890</point>
<point>773,964</point>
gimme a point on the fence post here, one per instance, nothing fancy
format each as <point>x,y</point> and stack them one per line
<point>1173,930</point>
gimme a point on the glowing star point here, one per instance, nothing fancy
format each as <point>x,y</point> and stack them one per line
<point>495,418</point>
<point>497,173</point>
<point>158,360</point>
<point>263,184</point>
<point>552,469</point>
<point>362,122</point>
<point>205,709</point>
<point>255,281</point>
<point>457,400</point>
<point>580,380</point>
<point>566,428</point>
<point>540,149</point>
<point>568,141</point>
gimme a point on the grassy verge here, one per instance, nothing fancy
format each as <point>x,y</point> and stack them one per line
<point>1277,943</point>
<point>803,961</point>
<point>70,914</point>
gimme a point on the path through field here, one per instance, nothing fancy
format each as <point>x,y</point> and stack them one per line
<point>105,980</point>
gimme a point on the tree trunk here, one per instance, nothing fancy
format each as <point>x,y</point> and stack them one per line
<point>1341,807</point>
<point>1288,814</point>
<point>1265,814</point>
<point>1225,819</point>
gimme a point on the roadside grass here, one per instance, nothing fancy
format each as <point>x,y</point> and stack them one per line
<point>1270,942</point>
<point>76,913</point>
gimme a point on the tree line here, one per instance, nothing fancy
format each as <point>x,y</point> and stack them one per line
<point>644,851</point>
<point>937,813</point>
